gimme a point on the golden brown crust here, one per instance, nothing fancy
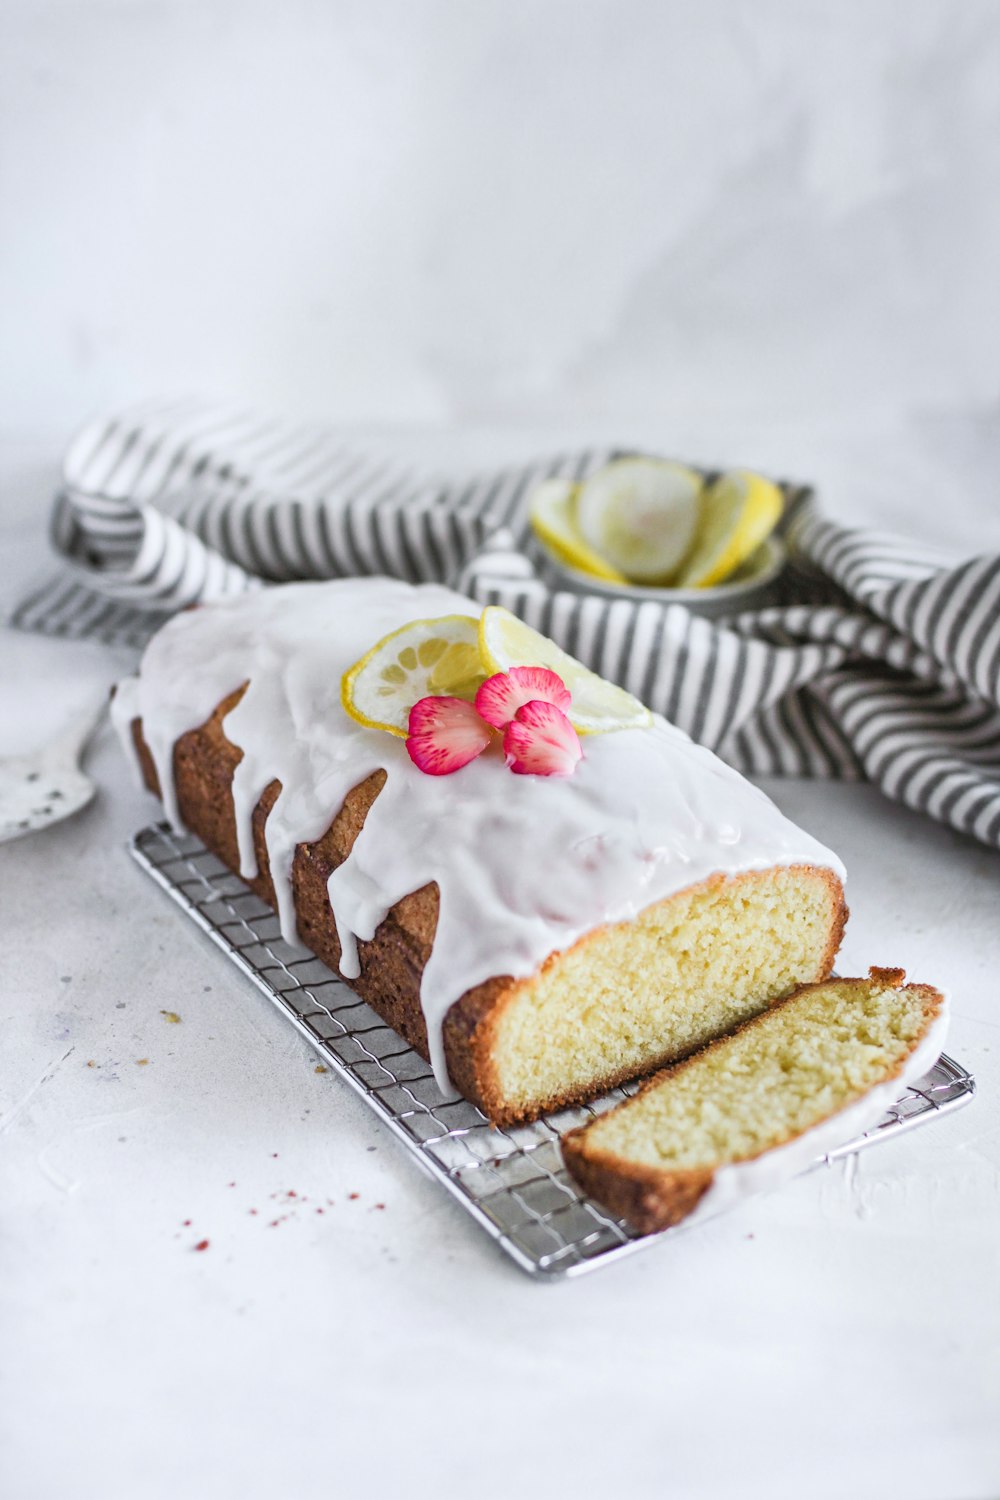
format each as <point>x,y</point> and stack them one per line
<point>650,1198</point>
<point>392,963</point>
<point>646,1199</point>
<point>894,979</point>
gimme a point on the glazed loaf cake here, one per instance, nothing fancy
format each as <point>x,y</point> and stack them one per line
<point>538,938</point>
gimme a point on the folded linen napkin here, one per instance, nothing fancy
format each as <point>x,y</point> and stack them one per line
<point>884,664</point>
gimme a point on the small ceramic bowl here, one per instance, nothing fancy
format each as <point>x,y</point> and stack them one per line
<point>750,588</point>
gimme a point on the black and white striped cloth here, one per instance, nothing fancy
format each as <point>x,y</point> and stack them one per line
<point>884,663</point>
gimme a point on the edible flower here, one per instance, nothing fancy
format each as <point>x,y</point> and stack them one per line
<point>500,696</point>
<point>526,705</point>
<point>445,734</point>
<point>540,741</point>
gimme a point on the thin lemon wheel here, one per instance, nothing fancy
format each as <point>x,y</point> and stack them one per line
<point>598,706</point>
<point>552,513</point>
<point>738,512</point>
<point>427,658</point>
<point>642,515</point>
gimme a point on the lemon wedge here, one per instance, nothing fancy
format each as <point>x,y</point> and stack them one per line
<point>552,513</point>
<point>598,706</point>
<point>640,514</point>
<point>738,512</point>
<point>427,658</point>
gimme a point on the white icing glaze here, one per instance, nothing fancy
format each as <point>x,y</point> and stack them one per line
<point>525,865</point>
<point>732,1184</point>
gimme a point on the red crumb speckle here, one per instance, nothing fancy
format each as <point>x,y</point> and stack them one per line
<point>329,1202</point>
<point>252,1210</point>
<point>230,1184</point>
<point>274,1154</point>
<point>202,1245</point>
<point>352,1196</point>
<point>291,1193</point>
<point>319,1210</point>
<point>186,1223</point>
<point>380,1205</point>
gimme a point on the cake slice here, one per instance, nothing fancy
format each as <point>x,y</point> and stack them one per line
<point>539,937</point>
<point>761,1105</point>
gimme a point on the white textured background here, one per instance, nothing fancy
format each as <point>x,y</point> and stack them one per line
<point>429,210</point>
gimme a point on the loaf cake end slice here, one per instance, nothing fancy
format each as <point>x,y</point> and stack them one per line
<point>760,1105</point>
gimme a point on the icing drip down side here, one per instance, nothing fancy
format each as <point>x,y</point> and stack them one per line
<point>524,865</point>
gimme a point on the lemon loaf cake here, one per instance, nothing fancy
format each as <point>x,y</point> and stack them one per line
<point>761,1105</point>
<point>620,900</point>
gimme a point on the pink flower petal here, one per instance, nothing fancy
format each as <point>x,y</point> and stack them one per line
<point>500,697</point>
<point>445,734</point>
<point>541,741</point>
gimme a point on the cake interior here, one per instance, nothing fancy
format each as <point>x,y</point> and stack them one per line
<point>630,997</point>
<point>798,1065</point>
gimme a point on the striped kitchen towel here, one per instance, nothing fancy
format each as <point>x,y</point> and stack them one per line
<point>883,663</point>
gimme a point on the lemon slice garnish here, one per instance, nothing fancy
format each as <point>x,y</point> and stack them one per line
<point>427,658</point>
<point>738,512</point>
<point>552,514</point>
<point>640,514</point>
<point>597,707</point>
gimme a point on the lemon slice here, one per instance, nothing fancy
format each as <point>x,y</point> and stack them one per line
<point>738,512</point>
<point>641,514</point>
<point>427,658</point>
<point>552,513</point>
<point>597,707</point>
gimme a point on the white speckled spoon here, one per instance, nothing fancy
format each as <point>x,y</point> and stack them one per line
<point>46,786</point>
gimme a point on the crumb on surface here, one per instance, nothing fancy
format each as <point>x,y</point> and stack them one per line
<point>202,1245</point>
<point>171,1016</point>
<point>142,1062</point>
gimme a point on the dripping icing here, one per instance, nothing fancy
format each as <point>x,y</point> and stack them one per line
<point>524,865</point>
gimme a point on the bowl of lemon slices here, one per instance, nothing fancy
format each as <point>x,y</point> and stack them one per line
<point>649,528</point>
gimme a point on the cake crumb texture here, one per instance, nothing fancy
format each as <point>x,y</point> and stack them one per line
<point>810,1056</point>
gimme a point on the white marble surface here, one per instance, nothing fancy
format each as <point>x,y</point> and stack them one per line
<point>838,1337</point>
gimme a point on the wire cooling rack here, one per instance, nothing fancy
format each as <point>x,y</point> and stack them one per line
<point>511,1180</point>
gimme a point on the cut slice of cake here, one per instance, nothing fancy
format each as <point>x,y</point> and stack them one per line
<point>760,1105</point>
